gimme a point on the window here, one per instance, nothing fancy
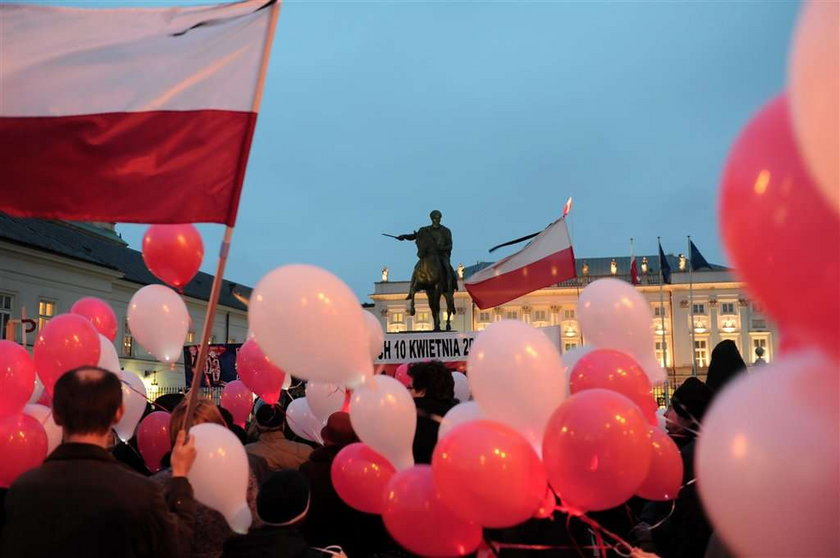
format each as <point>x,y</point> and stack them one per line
<point>659,312</point>
<point>662,353</point>
<point>511,315</point>
<point>569,314</point>
<point>231,340</point>
<point>127,342</point>
<point>701,353</point>
<point>190,337</point>
<point>699,308</point>
<point>759,343</point>
<point>727,308</point>
<point>5,314</point>
<point>397,318</point>
<point>46,310</point>
<point>422,317</point>
<point>759,323</point>
<point>485,317</point>
<point>540,316</point>
<point>568,346</point>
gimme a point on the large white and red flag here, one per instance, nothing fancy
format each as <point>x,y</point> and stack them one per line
<point>546,260</point>
<point>135,115</point>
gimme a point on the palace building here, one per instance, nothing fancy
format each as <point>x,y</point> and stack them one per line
<point>692,317</point>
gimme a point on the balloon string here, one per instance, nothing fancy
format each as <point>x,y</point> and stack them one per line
<point>691,430</point>
<point>599,529</point>
<point>144,396</point>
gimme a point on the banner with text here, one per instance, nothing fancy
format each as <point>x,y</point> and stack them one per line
<point>446,346</point>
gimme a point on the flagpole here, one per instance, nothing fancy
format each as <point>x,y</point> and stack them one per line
<point>663,340</point>
<point>691,310</point>
<point>224,248</point>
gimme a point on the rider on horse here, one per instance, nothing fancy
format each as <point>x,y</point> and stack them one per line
<point>441,248</point>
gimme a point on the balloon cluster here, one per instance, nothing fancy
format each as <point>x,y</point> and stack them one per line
<point>768,456</point>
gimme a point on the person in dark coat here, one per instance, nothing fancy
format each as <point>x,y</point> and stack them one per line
<point>282,504</point>
<point>82,502</point>
<point>725,364</point>
<point>685,533</point>
<point>330,519</point>
<point>433,389</point>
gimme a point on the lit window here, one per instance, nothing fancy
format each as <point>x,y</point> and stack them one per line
<point>759,345</point>
<point>46,310</point>
<point>701,353</point>
<point>727,308</point>
<point>662,353</point>
<point>190,337</point>
<point>485,317</point>
<point>127,342</point>
<point>397,318</point>
<point>231,340</point>
<point>511,315</point>
<point>569,346</point>
<point>569,314</point>
<point>659,312</point>
<point>422,317</point>
<point>699,308</point>
<point>5,314</point>
<point>540,316</point>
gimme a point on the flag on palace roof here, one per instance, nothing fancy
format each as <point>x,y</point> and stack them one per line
<point>546,260</point>
<point>664,266</point>
<point>130,114</point>
<point>634,268</point>
<point>696,258</point>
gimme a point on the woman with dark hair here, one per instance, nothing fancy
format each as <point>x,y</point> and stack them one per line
<point>726,363</point>
<point>433,390</point>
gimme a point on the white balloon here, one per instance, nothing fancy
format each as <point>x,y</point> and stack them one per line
<point>458,415</point>
<point>462,386</point>
<point>768,459</point>
<point>134,403</point>
<point>376,335</point>
<point>158,319</point>
<point>108,358</point>
<point>219,475</point>
<point>287,381</point>
<point>324,399</point>
<point>302,420</point>
<point>44,415</point>
<point>614,315</point>
<point>384,417</point>
<point>517,376</point>
<point>814,77</point>
<point>310,324</point>
<point>37,391</point>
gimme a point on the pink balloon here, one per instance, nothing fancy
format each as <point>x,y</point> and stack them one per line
<point>66,342</point>
<point>100,314</point>
<point>547,506</point>
<point>402,374</point>
<point>490,474</point>
<point>173,253</point>
<point>617,371</point>
<point>768,200</point>
<point>596,450</point>
<point>23,445</point>
<point>360,476</point>
<point>258,373</point>
<point>665,476</point>
<point>153,438</point>
<point>17,377</point>
<point>238,399</point>
<point>417,518</point>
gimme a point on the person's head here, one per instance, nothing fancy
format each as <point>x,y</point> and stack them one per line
<point>431,379</point>
<point>725,364</point>
<point>435,217</point>
<point>271,417</point>
<point>283,498</point>
<point>203,411</point>
<point>87,400</point>
<point>688,405</point>
<point>338,430</point>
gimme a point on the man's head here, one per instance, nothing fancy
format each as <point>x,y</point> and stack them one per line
<point>688,405</point>
<point>431,379</point>
<point>283,498</point>
<point>338,431</point>
<point>435,217</point>
<point>87,400</point>
<point>271,417</point>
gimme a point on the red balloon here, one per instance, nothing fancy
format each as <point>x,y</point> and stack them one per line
<point>489,474</point>
<point>66,342</point>
<point>23,445</point>
<point>596,450</point>
<point>548,505</point>
<point>417,518</point>
<point>238,399</point>
<point>402,374</point>
<point>772,216</point>
<point>173,253</point>
<point>258,372</point>
<point>614,370</point>
<point>360,476</point>
<point>17,378</point>
<point>99,313</point>
<point>153,438</point>
<point>665,476</point>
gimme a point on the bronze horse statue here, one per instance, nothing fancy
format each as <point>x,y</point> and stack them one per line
<point>431,277</point>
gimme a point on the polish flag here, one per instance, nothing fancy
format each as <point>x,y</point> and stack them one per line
<point>135,115</point>
<point>546,260</point>
<point>634,270</point>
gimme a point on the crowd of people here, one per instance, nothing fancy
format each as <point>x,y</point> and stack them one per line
<point>92,497</point>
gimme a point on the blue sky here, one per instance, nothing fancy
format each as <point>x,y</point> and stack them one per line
<point>375,113</point>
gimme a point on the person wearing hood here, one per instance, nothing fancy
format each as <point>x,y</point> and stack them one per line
<point>725,364</point>
<point>433,389</point>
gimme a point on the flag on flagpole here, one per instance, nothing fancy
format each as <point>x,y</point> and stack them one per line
<point>664,266</point>
<point>568,207</point>
<point>546,260</point>
<point>696,258</point>
<point>134,115</point>
<point>634,269</point>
